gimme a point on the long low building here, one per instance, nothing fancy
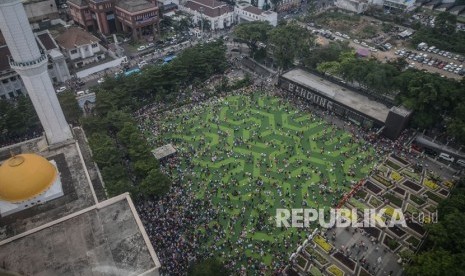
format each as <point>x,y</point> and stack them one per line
<point>344,102</point>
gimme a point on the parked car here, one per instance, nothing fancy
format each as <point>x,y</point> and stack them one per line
<point>446,157</point>
<point>101,80</point>
<point>142,64</point>
<point>61,89</point>
<point>141,48</point>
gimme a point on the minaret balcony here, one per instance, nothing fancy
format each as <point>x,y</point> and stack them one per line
<point>24,64</point>
<point>30,68</point>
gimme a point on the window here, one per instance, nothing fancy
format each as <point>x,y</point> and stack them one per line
<point>12,78</point>
<point>95,45</point>
<point>3,97</point>
<point>50,66</point>
<point>19,92</point>
<point>11,94</point>
<point>74,51</point>
<point>5,81</point>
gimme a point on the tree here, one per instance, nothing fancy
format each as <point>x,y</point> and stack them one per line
<point>17,119</point>
<point>444,248</point>
<point>104,150</point>
<point>445,23</point>
<point>288,43</point>
<point>276,4</point>
<point>208,267</point>
<point>328,53</point>
<point>116,180</point>
<point>252,33</point>
<point>432,263</point>
<point>330,67</point>
<point>155,184</point>
<point>70,107</point>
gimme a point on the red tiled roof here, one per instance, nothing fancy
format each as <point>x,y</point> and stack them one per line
<point>74,37</point>
<point>219,9</point>
<point>254,10</point>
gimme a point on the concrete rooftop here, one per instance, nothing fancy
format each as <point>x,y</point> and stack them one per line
<point>102,240</point>
<point>339,94</point>
<point>79,233</point>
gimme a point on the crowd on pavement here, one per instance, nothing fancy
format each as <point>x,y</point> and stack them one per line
<point>169,220</point>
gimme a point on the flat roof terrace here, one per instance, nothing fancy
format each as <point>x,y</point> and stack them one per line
<point>105,239</point>
<point>339,94</point>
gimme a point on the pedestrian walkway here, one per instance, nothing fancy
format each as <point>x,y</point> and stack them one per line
<point>99,68</point>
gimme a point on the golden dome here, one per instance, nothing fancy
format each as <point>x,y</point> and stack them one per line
<point>25,176</point>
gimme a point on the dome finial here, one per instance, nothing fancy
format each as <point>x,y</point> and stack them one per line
<point>15,160</point>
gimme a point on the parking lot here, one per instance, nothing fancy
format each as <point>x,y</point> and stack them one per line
<point>434,58</point>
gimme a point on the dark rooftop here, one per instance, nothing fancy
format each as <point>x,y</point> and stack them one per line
<point>457,9</point>
<point>47,41</point>
<point>4,53</point>
<point>445,6</point>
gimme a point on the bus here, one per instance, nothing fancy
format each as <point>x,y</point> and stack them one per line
<point>168,59</point>
<point>131,71</point>
<point>127,73</point>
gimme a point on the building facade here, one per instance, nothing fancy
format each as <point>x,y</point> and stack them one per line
<point>137,17</point>
<point>30,62</point>
<point>11,85</point>
<point>80,47</point>
<point>356,6</point>
<point>248,13</point>
<point>220,15</point>
<point>57,67</point>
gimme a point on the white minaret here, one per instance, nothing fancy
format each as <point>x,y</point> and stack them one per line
<point>31,64</point>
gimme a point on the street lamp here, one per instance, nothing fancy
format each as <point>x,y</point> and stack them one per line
<point>201,20</point>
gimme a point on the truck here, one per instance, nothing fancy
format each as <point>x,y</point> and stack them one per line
<point>422,46</point>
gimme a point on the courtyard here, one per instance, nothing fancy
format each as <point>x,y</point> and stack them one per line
<point>243,156</point>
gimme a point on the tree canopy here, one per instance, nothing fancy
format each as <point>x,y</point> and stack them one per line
<point>444,249</point>
<point>444,35</point>
<point>208,267</point>
<point>287,43</point>
<point>253,32</point>
<point>120,150</point>
<point>18,119</point>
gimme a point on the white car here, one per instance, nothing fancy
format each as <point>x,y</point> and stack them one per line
<point>101,80</point>
<point>364,44</point>
<point>142,64</point>
<point>61,89</point>
<point>356,41</point>
<point>446,157</point>
<point>141,48</point>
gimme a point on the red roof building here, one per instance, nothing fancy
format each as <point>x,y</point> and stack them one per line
<point>137,17</point>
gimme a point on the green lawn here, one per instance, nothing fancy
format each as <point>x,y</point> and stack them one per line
<point>250,155</point>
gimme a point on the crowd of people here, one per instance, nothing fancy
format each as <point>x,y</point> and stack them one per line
<point>185,228</point>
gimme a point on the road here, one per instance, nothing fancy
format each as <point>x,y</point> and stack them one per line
<point>152,55</point>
